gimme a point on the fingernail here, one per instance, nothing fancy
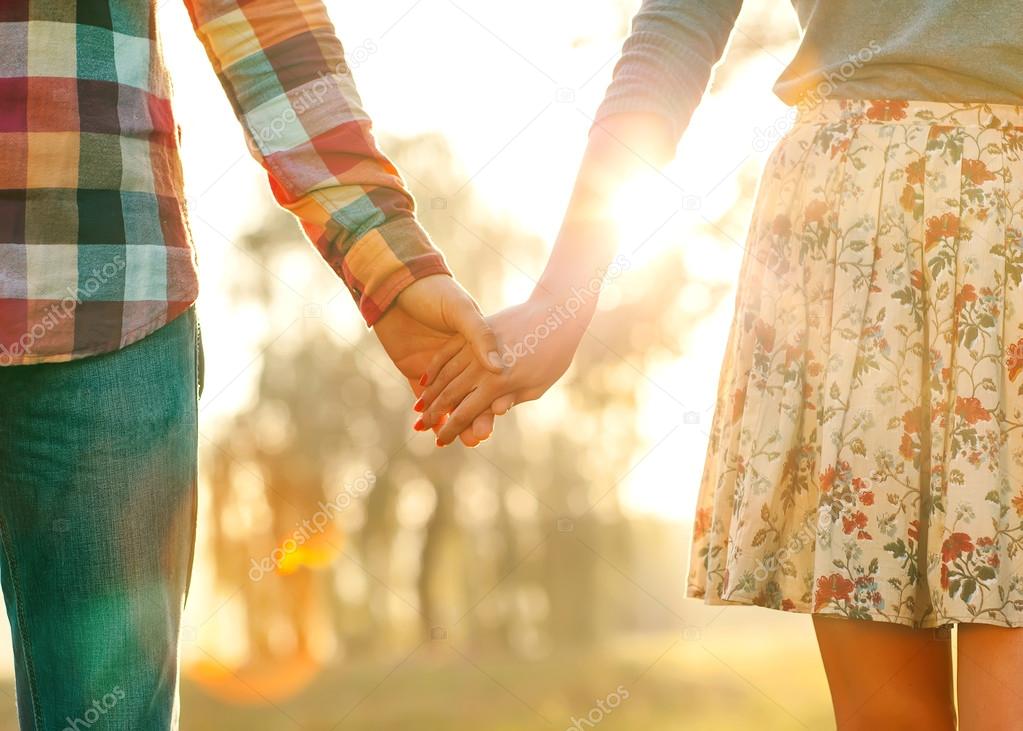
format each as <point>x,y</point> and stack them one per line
<point>423,379</point>
<point>419,406</point>
<point>495,359</point>
<point>419,426</point>
<point>440,443</point>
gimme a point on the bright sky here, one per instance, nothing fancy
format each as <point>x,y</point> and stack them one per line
<point>513,87</point>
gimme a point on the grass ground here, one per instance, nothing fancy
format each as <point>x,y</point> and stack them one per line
<point>728,677</point>
<point>655,683</point>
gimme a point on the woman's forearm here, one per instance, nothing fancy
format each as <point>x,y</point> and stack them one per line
<point>665,67</point>
<point>620,148</point>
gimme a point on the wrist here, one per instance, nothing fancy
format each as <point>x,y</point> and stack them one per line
<point>582,264</point>
<point>566,302</point>
<point>643,136</point>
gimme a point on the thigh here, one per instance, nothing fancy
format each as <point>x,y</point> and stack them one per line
<point>97,516</point>
<point>884,675</point>
<point>990,669</point>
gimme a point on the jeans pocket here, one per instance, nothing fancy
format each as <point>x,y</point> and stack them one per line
<point>200,359</point>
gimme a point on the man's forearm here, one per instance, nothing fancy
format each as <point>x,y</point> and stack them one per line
<point>284,70</point>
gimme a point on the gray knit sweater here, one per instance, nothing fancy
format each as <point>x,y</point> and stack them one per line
<point>937,50</point>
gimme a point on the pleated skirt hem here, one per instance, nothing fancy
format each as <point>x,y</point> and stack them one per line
<point>793,606</point>
<point>865,457</point>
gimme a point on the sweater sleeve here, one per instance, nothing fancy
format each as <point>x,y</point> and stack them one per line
<point>667,60</point>
<point>285,74</point>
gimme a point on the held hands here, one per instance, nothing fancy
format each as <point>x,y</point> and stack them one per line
<point>463,384</point>
<point>538,340</point>
<point>421,322</point>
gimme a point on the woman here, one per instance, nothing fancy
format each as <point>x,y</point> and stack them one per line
<point>865,456</point>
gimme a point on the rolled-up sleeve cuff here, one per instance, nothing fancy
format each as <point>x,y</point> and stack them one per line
<point>386,260</point>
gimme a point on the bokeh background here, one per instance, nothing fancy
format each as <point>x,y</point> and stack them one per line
<point>536,582</point>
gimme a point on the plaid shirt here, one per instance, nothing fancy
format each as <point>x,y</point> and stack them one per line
<point>95,251</point>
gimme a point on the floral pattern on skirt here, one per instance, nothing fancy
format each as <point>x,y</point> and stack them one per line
<point>866,450</point>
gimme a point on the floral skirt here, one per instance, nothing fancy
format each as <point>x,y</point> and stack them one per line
<point>866,451</point>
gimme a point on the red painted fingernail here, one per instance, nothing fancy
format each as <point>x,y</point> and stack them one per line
<point>440,443</point>
<point>419,426</point>
<point>419,406</point>
<point>423,379</point>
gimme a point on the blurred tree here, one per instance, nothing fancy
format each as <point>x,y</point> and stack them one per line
<point>513,537</point>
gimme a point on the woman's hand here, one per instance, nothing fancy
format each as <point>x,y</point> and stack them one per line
<point>538,340</point>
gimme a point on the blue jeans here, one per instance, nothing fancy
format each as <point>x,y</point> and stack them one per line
<point>97,529</point>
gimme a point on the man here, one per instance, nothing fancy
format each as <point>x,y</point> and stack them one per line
<point>98,338</point>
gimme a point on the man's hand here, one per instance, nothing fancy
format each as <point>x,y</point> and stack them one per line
<point>421,321</point>
<point>539,339</point>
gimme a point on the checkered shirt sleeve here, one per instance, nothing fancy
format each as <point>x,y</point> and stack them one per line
<point>285,73</point>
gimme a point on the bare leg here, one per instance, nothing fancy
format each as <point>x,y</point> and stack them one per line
<point>886,676</point>
<point>990,678</point>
